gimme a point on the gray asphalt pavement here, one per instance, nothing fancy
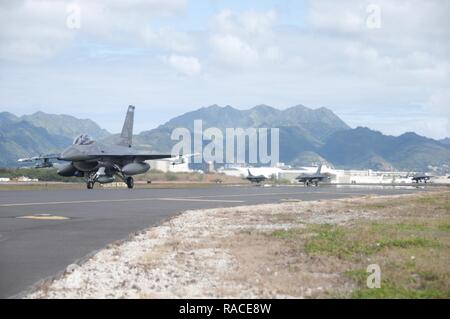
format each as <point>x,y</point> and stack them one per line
<point>35,248</point>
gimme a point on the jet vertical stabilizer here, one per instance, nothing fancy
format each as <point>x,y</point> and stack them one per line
<point>319,169</point>
<point>126,137</point>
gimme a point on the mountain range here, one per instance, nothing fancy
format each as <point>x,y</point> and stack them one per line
<point>40,133</point>
<point>306,136</point>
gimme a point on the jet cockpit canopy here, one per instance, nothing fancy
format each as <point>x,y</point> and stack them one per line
<point>83,139</point>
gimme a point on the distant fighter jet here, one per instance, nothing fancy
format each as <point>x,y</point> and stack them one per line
<point>255,179</point>
<point>421,178</point>
<point>45,160</point>
<point>309,179</point>
<point>103,163</point>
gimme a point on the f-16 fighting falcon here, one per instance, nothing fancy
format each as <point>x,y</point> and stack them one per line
<point>309,179</point>
<point>255,179</point>
<point>103,163</point>
<point>421,178</point>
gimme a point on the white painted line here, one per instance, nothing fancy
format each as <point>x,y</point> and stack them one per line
<point>201,200</point>
<point>43,217</point>
<point>271,194</point>
<point>194,198</point>
<point>115,201</point>
<point>77,202</point>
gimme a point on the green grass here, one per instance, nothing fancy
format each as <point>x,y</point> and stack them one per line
<point>387,291</point>
<point>340,241</point>
<point>287,234</point>
<point>412,248</point>
<point>333,240</point>
<point>411,226</point>
<point>410,242</point>
<point>444,227</point>
<point>428,200</point>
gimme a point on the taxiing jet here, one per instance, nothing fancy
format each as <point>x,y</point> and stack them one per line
<point>309,179</point>
<point>255,179</point>
<point>103,163</point>
<point>421,178</point>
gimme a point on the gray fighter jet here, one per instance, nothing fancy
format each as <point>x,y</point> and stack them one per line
<point>309,179</point>
<point>255,179</point>
<point>421,178</point>
<point>103,163</point>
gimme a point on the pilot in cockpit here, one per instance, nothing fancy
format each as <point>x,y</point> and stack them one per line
<point>83,139</point>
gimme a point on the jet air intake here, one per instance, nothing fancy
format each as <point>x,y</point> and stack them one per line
<point>135,168</point>
<point>67,170</point>
<point>105,179</point>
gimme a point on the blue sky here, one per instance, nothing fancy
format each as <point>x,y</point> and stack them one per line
<point>168,57</point>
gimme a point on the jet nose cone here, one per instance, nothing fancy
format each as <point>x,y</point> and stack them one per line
<point>72,154</point>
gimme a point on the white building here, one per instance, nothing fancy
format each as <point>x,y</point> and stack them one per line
<point>167,166</point>
<point>27,179</point>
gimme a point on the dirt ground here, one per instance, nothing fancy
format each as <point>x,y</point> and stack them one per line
<point>290,250</point>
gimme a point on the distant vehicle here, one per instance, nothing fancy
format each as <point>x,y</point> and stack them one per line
<point>310,179</point>
<point>421,178</point>
<point>255,179</point>
<point>103,163</point>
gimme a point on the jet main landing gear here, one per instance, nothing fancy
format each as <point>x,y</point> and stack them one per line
<point>90,181</point>
<point>130,182</point>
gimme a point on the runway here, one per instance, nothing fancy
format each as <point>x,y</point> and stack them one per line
<point>43,231</point>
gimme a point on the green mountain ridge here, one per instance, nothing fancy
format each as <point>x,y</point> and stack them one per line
<point>65,125</point>
<point>21,139</point>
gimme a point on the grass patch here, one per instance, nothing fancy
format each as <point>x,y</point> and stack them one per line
<point>393,292</point>
<point>334,240</point>
<point>358,241</point>
<point>390,227</point>
<point>292,233</point>
<point>444,227</point>
<point>375,206</point>
<point>410,242</point>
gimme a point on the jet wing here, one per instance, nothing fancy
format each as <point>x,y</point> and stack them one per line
<point>153,156</point>
<point>144,157</point>
<point>138,156</point>
<point>38,158</point>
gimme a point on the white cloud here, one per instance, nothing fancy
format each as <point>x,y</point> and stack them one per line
<point>339,16</point>
<point>233,50</point>
<point>168,39</point>
<point>186,65</point>
<point>244,39</point>
<point>439,103</point>
<point>246,57</point>
<point>35,29</point>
